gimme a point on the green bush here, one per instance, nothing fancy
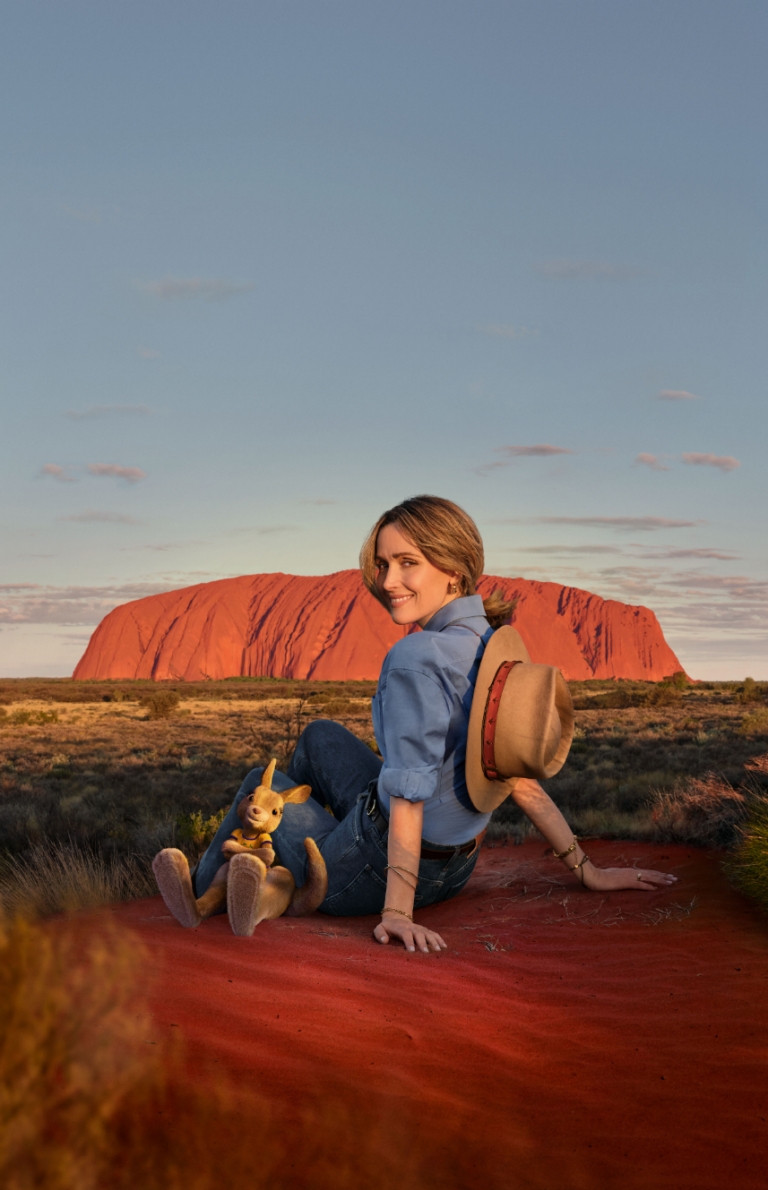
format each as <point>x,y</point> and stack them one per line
<point>756,723</point>
<point>160,703</point>
<point>197,831</point>
<point>749,868</point>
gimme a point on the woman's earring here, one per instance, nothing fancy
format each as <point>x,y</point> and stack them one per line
<point>454,589</point>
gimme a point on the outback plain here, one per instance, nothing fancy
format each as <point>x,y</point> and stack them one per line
<point>558,1022</point>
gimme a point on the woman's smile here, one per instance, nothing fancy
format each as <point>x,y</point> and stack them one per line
<point>414,589</point>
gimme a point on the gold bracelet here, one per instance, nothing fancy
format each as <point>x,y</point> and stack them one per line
<point>398,872</point>
<point>568,850</point>
<point>391,909</point>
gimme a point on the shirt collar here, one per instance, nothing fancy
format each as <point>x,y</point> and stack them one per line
<point>466,607</point>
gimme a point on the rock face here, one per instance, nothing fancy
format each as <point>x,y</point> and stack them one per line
<point>280,625</point>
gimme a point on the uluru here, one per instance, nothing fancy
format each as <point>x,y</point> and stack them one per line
<point>331,628</point>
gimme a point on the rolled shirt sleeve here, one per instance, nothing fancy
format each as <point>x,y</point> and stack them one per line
<point>411,727</point>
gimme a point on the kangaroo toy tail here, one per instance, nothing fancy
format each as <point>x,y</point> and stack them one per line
<point>313,892</point>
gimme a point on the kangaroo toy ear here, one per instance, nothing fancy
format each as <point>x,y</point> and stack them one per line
<point>268,774</point>
<point>299,793</point>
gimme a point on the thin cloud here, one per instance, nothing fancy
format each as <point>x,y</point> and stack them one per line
<point>320,501</point>
<point>60,474</point>
<point>95,515</point>
<point>643,524</point>
<point>568,549</point>
<point>541,450</point>
<point>586,270</point>
<point>71,605</point>
<point>651,461</point>
<point>107,410</point>
<point>210,289</point>
<point>131,474</point>
<point>676,394</point>
<point>265,530</point>
<point>147,353</point>
<point>502,331</point>
<point>722,462</point>
<point>671,554</point>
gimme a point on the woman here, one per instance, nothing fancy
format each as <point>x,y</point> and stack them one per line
<point>403,832</point>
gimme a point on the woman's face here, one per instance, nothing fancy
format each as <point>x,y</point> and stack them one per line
<point>413,587</point>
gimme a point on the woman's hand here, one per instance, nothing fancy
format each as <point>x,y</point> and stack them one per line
<point>410,933</point>
<point>610,879</point>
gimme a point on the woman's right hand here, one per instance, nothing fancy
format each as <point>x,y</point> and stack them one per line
<point>412,935</point>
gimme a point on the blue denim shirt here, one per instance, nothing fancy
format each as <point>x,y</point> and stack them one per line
<point>420,717</point>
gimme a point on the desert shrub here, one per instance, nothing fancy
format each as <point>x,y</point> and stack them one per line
<point>66,1062</point>
<point>749,867</point>
<point>666,694</point>
<point>706,811</point>
<point>62,877</point>
<point>756,723</point>
<point>160,703</point>
<point>3,714</point>
<point>24,718</point>
<point>751,691</point>
<point>335,706</point>
<point>197,831</point>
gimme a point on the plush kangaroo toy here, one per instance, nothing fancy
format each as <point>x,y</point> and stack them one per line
<point>253,889</point>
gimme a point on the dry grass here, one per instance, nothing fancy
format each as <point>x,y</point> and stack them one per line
<point>87,766</point>
<point>707,812</point>
<point>91,1100</point>
<point>61,878</point>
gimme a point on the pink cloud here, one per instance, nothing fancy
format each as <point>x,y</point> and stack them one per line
<point>676,394</point>
<point>132,474</point>
<point>723,462</point>
<point>651,461</point>
<point>57,472</point>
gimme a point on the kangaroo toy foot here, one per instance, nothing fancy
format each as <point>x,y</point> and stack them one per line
<point>247,874</point>
<point>175,883</point>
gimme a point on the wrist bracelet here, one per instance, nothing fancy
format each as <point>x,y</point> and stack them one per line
<point>391,909</point>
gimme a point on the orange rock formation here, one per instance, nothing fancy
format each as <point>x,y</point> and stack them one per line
<point>281,625</point>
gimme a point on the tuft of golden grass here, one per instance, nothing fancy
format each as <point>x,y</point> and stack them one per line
<point>706,811</point>
<point>62,878</point>
<point>68,1027</point>
<point>748,869</point>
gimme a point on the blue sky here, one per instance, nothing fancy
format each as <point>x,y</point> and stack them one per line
<point>267,268</point>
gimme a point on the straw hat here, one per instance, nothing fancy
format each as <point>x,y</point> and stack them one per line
<point>520,724</point>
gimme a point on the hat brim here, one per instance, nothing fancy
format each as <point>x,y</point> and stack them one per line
<point>506,644</point>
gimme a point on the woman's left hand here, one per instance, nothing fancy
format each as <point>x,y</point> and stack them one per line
<point>611,879</point>
<point>410,933</point>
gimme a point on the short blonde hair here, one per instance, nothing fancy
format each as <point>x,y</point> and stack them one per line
<point>447,537</point>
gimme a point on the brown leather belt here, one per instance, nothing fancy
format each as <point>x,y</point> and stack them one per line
<point>428,850</point>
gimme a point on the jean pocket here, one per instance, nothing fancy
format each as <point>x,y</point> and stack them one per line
<point>363,895</point>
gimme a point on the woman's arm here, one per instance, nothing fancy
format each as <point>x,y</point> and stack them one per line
<point>403,852</point>
<point>549,822</point>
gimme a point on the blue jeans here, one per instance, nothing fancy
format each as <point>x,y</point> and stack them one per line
<point>342,772</point>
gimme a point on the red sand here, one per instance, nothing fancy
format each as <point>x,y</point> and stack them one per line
<point>618,1041</point>
<point>282,625</point>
